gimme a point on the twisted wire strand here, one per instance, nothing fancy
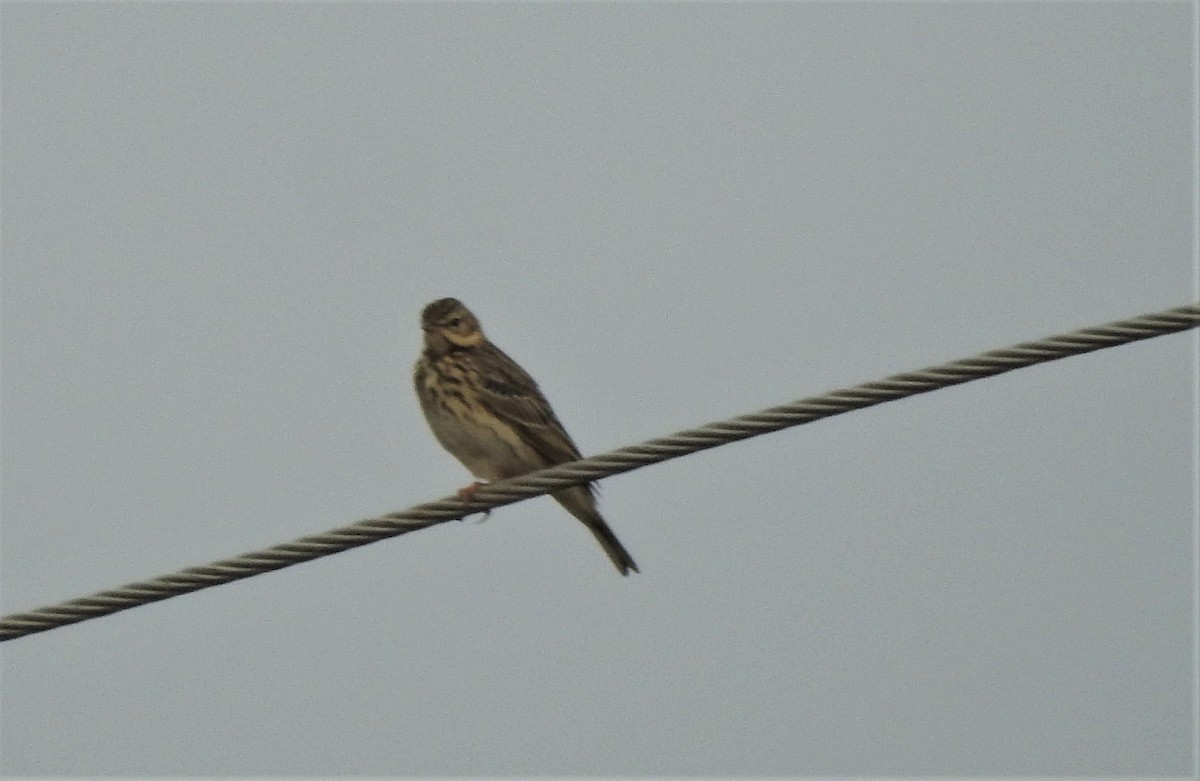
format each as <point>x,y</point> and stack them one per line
<point>421,516</point>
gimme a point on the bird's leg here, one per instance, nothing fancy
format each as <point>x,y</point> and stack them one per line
<point>467,495</point>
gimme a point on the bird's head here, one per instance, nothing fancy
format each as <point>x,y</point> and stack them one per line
<point>448,325</point>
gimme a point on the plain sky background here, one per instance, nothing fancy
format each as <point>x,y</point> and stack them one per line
<point>221,221</point>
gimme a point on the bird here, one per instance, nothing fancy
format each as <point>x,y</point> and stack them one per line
<point>490,415</point>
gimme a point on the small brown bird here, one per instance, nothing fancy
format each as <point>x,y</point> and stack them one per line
<point>488,412</point>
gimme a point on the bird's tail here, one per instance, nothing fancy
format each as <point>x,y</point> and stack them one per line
<point>612,546</point>
<point>580,503</point>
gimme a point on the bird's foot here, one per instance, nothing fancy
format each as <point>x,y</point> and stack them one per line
<point>467,495</point>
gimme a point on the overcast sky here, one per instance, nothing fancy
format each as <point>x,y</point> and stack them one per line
<point>220,223</point>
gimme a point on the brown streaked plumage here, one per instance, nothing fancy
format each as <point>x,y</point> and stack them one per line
<point>488,412</point>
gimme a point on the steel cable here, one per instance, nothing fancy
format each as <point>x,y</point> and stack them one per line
<point>604,465</point>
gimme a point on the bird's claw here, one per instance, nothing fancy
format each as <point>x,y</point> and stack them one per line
<point>467,495</point>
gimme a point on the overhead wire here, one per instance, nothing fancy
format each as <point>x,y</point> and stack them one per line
<point>625,459</point>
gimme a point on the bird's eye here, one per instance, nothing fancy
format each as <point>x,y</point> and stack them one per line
<point>454,322</point>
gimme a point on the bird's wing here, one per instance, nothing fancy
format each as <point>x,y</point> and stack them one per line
<point>513,396</point>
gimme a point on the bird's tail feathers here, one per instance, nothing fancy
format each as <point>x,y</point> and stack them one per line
<point>580,503</point>
<point>612,546</point>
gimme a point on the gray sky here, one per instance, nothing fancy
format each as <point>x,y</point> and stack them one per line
<point>221,221</point>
